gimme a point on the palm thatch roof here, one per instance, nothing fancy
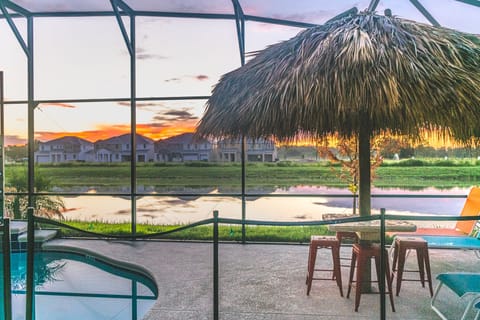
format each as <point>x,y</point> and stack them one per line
<point>364,69</point>
<point>359,75</point>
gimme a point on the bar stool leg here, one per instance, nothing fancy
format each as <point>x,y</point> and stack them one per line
<point>400,267</point>
<point>309,263</point>
<point>311,267</point>
<point>389,280</point>
<point>395,256</point>
<point>362,261</point>
<point>421,265</point>
<point>336,267</point>
<point>387,275</point>
<point>352,271</point>
<point>394,260</point>
<point>429,274</point>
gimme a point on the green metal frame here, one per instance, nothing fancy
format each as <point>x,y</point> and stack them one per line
<point>10,11</point>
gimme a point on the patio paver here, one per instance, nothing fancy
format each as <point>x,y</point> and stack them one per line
<point>261,281</point>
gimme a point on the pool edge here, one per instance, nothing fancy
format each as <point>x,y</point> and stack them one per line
<point>132,267</point>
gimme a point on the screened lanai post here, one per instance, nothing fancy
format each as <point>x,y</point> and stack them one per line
<point>27,48</point>
<point>425,13</point>
<point>373,5</point>
<point>130,43</point>
<point>133,112</point>
<point>31,114</point>
<point>240,25</point>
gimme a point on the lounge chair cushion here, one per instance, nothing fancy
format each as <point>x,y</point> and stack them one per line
<point>461,283</point>
<point>452,242</point>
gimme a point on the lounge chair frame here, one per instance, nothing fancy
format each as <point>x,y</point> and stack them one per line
<point>462,290</point>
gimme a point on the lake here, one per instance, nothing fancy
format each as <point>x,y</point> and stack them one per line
<point>298,203</point>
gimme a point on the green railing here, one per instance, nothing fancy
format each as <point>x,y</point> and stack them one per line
<point>382,217</point>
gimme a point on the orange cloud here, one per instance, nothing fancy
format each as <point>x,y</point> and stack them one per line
<point>12,140</point>
<point>154,132</point>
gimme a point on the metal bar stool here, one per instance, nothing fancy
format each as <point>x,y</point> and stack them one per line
<point>364,253</point>
<point>326,242</point>
<point>352,237</point>
<point>402,246</point>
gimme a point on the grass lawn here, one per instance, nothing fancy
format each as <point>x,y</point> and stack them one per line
<point>227,176</point>
<point>292,234</point>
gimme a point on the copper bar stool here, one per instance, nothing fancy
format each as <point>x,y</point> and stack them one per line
<point>361,255</point>
<point>402,246</point>
<point>352,237</point>
<point>326,242</point>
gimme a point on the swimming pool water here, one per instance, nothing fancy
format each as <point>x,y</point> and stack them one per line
<point>76,287</point>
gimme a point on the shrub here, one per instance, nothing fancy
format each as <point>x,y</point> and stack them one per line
<point>406,163</point>
<point>285,164</point>
<point>445,163</point>
<point>200,164</point>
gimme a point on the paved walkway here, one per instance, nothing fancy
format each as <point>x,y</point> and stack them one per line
<point>263,282</point>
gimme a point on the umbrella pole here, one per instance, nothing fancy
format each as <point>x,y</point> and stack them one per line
<point>364,186</point>
<point>364,169</point>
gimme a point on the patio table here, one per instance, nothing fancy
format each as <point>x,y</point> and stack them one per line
<point>370,230</point>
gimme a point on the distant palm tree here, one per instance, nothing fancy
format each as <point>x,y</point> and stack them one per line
<point>47,206</point>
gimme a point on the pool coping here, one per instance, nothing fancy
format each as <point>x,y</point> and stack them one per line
<point>128,266</point>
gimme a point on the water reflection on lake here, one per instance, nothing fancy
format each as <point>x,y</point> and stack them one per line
<point>185,209</point>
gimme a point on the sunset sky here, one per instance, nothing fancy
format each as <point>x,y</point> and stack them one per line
<point>79,58</point>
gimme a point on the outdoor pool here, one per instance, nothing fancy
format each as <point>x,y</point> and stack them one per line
<point>78,287</point>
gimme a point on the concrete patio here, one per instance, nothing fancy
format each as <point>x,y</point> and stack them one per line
<point>264,281</point>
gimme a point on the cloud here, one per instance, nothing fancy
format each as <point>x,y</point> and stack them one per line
<point>175,115</point>
<point>147,56</point>
<point>142,104</point>
<point>14,140</point>
<point>57,104</point>
<point>309,16</point>
<point>198,6</point>
<point>201,77</point>
<point>155,125</point>
<point>142,54</point>
<point>173,80</point>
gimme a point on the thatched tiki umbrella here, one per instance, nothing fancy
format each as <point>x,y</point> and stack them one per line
<point>363,74</point>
